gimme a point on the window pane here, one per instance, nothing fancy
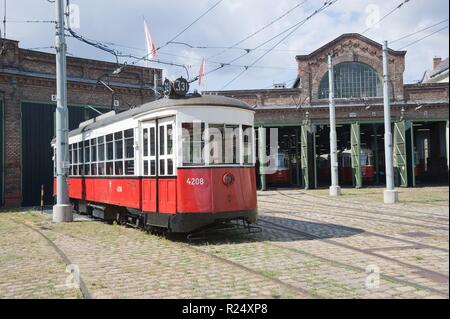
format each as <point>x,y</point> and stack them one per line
<point>109,137</point>
<point>161,140</point>
<point>119,149</point>
<point>118,166</point>
<point>169,137</point>
<point>247,134</point>
<point>101,168</point>
<point>87,169</point>
<point>145,141</point>
<point>109,168</point>
<point>80,153</point>
<point>169,167</point>
<point>152,142</point>
<point>129,133</point>
<point>118,135</point>
<point>94,169</point>
<point>216,143</point>
<point>109,150</point>
<point>145,168</point>
<point>152,167</point>
<point>129,167</point>
<point>193,141</point>
<point>162,168</point>
<point>101,151</point>
<point>129,149</point>
<point>93,150</point>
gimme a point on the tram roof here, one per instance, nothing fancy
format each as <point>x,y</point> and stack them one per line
<point>208,100</point>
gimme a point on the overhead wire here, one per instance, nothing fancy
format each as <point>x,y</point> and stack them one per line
<point>292,29</point>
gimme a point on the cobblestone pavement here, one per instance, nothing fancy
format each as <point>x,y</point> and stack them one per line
<point>310,246</point>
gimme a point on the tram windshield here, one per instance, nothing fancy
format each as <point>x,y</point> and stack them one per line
<point>226,144</point>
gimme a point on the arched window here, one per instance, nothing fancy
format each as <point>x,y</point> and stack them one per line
<point>352,80</point>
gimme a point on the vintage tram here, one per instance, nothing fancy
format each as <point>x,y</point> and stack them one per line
<point>173,164</point>
<point>281,175</point>
<point>366,162</point>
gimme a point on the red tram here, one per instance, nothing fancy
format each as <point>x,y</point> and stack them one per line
<point>173,164</point>
<point>366,162</point>
<point>281,174</point>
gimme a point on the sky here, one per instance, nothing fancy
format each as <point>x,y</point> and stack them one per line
<point>121,22</point>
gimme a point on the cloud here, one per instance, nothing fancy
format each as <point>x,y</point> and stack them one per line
<point>232,20</point>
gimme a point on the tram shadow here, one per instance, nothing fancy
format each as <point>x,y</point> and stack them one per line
<point>270,229</point>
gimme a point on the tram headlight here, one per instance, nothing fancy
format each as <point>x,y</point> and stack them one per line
<point>228,179</point>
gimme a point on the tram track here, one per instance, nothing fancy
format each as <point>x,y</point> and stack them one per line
<point>297,213</point>
<point>355,216</point>
<point>363,206</point>
<point>358,209</point>
<point>285,285</point>
<point>81,284</point>
<point>281,228</point>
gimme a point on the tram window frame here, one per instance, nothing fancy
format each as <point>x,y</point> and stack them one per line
<point>93,144</point>
<point>80,159</point>
<point>87,157</point>
<point>109,154</point>
<point>101,145</point>
<point>223,151</point>
<point>70,159</point>
<point>128,152</point>
<point>193,145</point>
<point>247,158</point>
<point>118,147</point>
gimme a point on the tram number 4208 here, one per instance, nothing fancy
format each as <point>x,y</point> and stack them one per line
<point>194,181</point>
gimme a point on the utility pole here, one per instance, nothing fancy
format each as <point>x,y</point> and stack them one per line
<point>390,194</point>
<point>335,190</point>
<point>62,211</point>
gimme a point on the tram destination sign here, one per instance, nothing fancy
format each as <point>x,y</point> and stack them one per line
<point>177,88</point>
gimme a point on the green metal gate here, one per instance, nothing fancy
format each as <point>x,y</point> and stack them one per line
<point>355,140</point>
<point>403,154</point>
<point>307,156</point>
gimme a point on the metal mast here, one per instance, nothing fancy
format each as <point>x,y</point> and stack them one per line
<point>390,195</point>
<point>62,211</point>
<point>335,190</point>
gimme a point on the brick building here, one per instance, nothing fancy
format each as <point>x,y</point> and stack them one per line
<point>419,115</point>
<point>27,89</point>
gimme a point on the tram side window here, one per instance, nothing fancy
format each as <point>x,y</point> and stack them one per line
<point>70,160</point>
<point>247,134</point>
<point>101,155</point>
<point>80,158</point>
<point>118,145</point>
<point>87,158</point>
<point>109,155</point>
<point>129,151</point>
<point>75,159</point>
<point>224,144</point>
<point>193,141</point>
<point>93,143</point>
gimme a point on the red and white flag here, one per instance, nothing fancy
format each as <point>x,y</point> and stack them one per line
<point>201,73</point>
<point>151,49</point>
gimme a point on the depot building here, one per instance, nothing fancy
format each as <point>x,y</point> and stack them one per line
<point>419,115</point>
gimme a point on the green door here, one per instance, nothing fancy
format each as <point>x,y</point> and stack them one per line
<point>403,154</point>
<point>1,154</point>
<point>355,140</point>
<point>307,156</point>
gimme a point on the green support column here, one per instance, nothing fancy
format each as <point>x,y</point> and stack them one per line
<point>297,158</point>
<point>355,140</point>
<point>262,156</point>
<point>403,154</point>
<point>375,154</point>
<point>307,157</point>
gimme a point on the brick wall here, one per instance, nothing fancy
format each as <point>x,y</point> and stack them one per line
<point>27,75</point>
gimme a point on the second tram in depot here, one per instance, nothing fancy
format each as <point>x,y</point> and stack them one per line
<point>173,164</point>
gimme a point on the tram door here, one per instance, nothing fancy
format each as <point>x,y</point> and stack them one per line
<point>158,166</point>
<point>148,168</point>
<point>167,183</point>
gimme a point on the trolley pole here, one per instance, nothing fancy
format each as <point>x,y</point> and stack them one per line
<point>335,190</point>
<point>390,194</point>
<point>62,211</point>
